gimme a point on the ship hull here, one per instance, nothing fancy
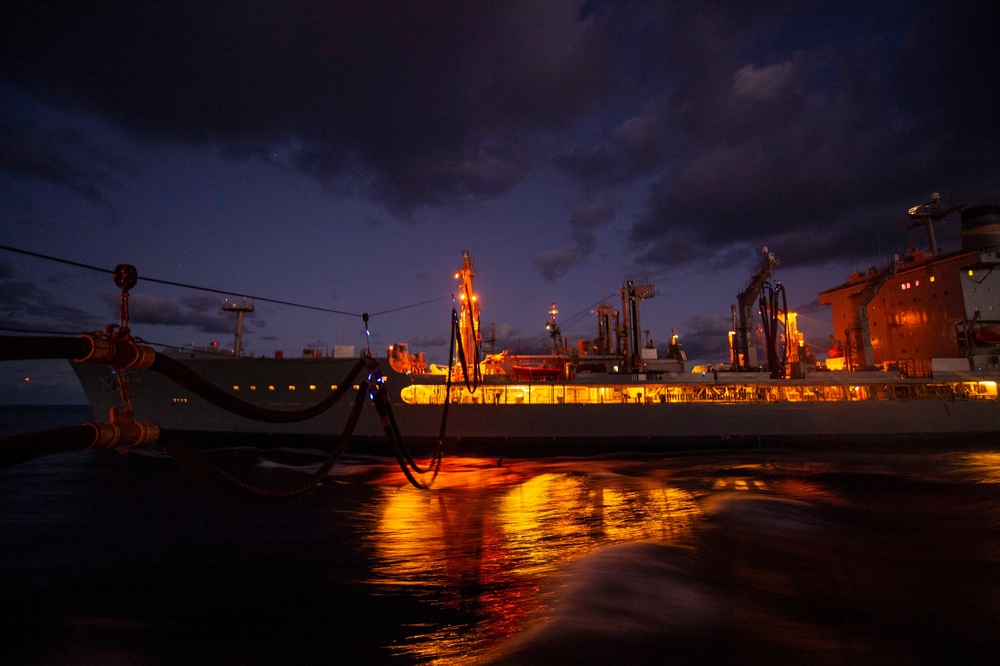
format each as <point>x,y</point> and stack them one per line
<point>523,430</point>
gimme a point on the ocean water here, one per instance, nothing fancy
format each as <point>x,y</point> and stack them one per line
<point>840,557</point>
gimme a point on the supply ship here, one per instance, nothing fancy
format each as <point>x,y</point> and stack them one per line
<point>915,358</point>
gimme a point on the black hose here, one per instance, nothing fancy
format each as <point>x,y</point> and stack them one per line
<point>470,383</point>
<point>391,426</point>
<point>20,348</point>
<point>20,448</point>
<point>436,459</point>
<point>200,467</point>
<point>402,455</point>
<point>201,387</point>
<point>395,436</point>
<point>770,311</point>
<point>33,347</point>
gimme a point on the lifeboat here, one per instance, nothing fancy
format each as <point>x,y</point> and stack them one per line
<point>541,372</point>
<point>988,335</point>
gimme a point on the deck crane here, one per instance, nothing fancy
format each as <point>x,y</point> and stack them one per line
<point>861,329</point>
<point>774,309</point>
<point>747,300</point>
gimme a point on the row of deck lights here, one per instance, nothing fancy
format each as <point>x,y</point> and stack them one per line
<point>291,387</point>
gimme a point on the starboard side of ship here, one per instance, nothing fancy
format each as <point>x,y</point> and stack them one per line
<point>585,416</point>
<point>612,394</point>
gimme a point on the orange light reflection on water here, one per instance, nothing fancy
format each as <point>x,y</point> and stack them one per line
<point>488,549</point>
<point>983,465</point>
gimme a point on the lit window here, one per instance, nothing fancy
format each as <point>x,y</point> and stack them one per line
<point>235,387</point>
<point>932,278</point>
<point>291,388</point>
<point>253,388</point>
<point>917,283</point>
<point>270,388</point>
<point>971,272</point>
<point>333,387</point>
<point>312,387</point>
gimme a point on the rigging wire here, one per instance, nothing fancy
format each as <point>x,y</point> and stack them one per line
<point>37,331</point>
<point>216,291</point>
<point>569,321</point>
<point>406,307</point>
<point>29,347</point>
<point>123,433</point>
<point>162,345</point>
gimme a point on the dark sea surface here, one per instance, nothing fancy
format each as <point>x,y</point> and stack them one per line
<point>780,557</point>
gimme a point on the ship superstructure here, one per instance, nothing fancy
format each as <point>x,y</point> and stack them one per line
<point>924,309</point>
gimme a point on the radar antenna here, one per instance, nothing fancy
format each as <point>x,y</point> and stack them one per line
<point>553,328</point>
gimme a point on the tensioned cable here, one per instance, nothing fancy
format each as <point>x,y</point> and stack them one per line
<point>214,291</point>
<point>569,321</point>
<point>406,307</point>
<point>37,331</point>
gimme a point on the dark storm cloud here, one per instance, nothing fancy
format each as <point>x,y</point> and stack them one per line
<point>409,102</point>
<point>500,335</point>
<point>637,147</point>
<point>62,159</point>
<point>811,307</point>
<point>797,124</point>
<point>586,218</point>
<point>29,307</point>
<point>706,338</point>
<point>555,263</point>
<point>786,131</point>
<point>424,342</point>
<point>200,312</point>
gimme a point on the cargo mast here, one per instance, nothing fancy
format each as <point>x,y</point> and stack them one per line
<point>240,309</point>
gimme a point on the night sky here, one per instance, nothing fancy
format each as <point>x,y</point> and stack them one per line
<point>344,154</point>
